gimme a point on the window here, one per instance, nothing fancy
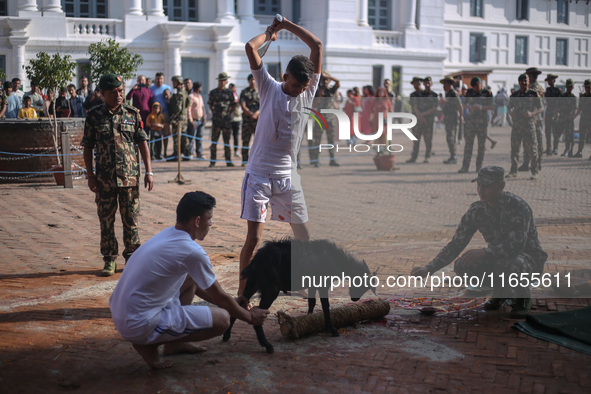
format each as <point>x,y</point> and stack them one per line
<point>522,10</point>
<point>477,47</point>
<point>379,14</point>
<point>274,71</point>
<point>296,11</point>
<point>562,12</point>
<point>476,8</point>
<point>3,8</point>
<point>85,8</point>
<point>561,51</point>
<point>181,10</point>
<point>267,7</point>
<point>521,50</point>
<point>377,76</point>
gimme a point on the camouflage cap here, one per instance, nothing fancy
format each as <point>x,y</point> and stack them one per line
<point>533,70</point>
<point>474,81</point>
<point>587,82</point>
<point>109,82</point>
<point>222,76</point>
<point>427,79</point>
<point>522,77</point>
<point>448,79</point>
<point>569,82</point>
<point>551,76</point>
<point>416,79</point>
<point>177,78</point>
<point>490,174</point>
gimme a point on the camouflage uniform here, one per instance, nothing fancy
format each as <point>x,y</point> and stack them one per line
<point>524,129</point>
<point>221,101</point>
<point>568,106</point>
<point>538,124</point>
<point>511,235</point>
<point>3,102</point>
<point>325,100</point>
<point>551,119</point>
<point>585,120</point>
<point>180,119</point>
<point>425,102</point>
<point>114,136</point>
<point>476,126</point>
<point>451,119</point>
<point>250,98</point>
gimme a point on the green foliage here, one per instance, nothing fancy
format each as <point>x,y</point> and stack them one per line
<point>51,72</point>
<point>2,75</point>
<point>107,56</point>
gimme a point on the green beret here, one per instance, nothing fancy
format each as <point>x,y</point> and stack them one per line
<point>474,81</point>
<point>427,79</point>
<point>250,76</point>
<point>110,82</point>
<point>522,77</point>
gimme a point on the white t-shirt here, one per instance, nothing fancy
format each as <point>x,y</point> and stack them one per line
<point>278,134</point>
<point>153,277</point>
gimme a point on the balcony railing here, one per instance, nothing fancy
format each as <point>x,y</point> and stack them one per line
<point>92,27</point>
<point>388,38</point>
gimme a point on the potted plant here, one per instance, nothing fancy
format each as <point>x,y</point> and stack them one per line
<point>51,73</point>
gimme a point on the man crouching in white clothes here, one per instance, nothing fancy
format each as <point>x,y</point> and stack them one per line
<point>151,304</point>
<point>271,176</point>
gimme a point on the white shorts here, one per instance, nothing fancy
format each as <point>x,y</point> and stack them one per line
<point>177,321</point>
<point>284,194</point>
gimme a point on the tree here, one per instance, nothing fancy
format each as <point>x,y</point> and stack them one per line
<point>107,56</point>
<point>51,73</point>
<point>2,75</point>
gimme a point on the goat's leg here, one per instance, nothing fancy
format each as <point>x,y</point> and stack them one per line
<point>266,302</point>
<point>311,300</point>
<point>323,293</point>
<point>249,291</point>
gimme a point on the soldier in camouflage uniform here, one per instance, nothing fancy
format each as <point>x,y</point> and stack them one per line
<point>452,115</point>
<point>426,104</point>
<point>113,129</point>
<point>506,222</point>
<point>250,103</point>
<point>178,108</point>
<point>551,118</point>
<point>532,74</point>
<point>325,99</point>
<point>478,101</point>
<point>523,107</point>
<point>221,103</point>
<point>585,122</point>
<point>568,109</point>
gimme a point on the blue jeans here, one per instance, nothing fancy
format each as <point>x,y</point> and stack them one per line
<point>195,130</point>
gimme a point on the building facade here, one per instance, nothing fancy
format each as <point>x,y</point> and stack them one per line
<point>365,41</point>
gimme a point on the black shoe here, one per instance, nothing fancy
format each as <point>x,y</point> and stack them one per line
<point>333,163</point>
<point>186,159</point>
<point>579,154</point>
<point>555,152</point>
<point>172,159</point>
<point>548,152</point>
<point>411,160</point>
<point>494,303</point>
<point>463,170</point>
<point>199,156</point>
<point>316,165</point>
<point>230,165</point>
<point>211,165</point>
<point>564,153</point>
<point>451,160</point>
<point>524,167</point>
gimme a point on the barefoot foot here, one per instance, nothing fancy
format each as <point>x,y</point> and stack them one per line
<point>151,356</point>
<point>182,347</point>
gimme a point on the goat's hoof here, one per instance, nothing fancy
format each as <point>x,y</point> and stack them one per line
<point>226,336</point>
<point>334,333</point>
<point>270,349</point>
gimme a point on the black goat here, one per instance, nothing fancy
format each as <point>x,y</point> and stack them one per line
<point>270,272</point>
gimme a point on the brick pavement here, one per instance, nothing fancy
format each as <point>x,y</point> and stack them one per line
<point>56,333</point>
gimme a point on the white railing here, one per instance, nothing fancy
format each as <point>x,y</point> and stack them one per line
<point>388,38</point>
<point>92,27</point>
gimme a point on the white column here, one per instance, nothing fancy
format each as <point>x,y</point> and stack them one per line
<point>246,9</point>
<point>411,14</point>
<point>175,61</point>
<point>52,6</point>
<point>222,56</point>
<point>27,5</point>
<point>362,21</point>
<point>133,7</point>
<point>154,8</point>
<point>18,57</point>
<point>225,9</point>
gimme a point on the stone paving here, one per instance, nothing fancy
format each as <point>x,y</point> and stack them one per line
<point>56,332</point>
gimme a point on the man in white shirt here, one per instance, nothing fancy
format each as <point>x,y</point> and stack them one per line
<point>151,304</point>
<point>271,176</point>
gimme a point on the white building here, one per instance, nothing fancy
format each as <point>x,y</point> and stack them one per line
<point>365,41</point>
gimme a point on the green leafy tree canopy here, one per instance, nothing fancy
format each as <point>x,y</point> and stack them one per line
<point>108,56</point>
<point>51,72</point>
<point>2,75</point>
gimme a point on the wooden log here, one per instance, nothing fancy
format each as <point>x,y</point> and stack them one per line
<point>297,327</point>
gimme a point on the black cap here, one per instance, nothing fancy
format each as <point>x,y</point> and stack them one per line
<point>522,77</point>
<point>250,76</point>
<point>490,174</point>
<point>427,79</point>
<point>110,82</point>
